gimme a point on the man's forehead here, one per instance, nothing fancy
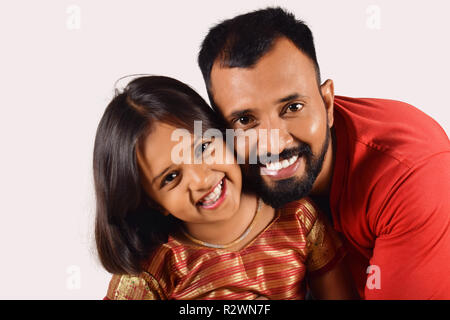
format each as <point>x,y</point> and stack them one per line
<point>280,71</point>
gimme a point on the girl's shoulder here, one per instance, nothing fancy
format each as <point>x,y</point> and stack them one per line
<point>134,287</point>
<point>304,210</point>
<point>324,246</point>
<point>158,278</point>
<point>163,256</point>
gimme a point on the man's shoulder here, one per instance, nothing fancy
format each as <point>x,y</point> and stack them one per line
<point>387,152</point>
<point>394,128</point>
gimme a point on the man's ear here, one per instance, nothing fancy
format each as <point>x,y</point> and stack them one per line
<point>327,91</point>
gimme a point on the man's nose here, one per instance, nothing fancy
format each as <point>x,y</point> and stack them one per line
<point>277,138</point>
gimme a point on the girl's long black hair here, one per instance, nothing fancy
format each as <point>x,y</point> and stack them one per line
<point>128,227</point>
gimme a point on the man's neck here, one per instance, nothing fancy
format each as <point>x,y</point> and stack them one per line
<point>322,185</point>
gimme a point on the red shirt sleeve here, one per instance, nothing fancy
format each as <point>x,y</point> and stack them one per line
<point>411,258</point>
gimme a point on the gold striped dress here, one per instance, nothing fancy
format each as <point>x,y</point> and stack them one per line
<point>297,242</point>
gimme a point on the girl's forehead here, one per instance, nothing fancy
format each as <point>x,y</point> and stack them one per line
<point>163,135</point>
<point>155,148</point>
<point>158,148</point>
<point>164,144</point>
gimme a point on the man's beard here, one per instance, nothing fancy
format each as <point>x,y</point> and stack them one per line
<point>281,192</point>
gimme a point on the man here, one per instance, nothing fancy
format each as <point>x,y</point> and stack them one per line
<point>380,168</point>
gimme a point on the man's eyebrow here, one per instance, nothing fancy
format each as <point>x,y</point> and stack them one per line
<point>290,97</point>
<point>168,168</point>
<point>239,113</point>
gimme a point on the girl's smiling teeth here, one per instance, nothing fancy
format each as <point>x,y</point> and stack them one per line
<point>212,197</point>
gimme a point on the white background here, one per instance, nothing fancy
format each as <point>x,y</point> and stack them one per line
<point>56,80</point>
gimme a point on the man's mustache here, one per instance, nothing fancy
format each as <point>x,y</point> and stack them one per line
<point>302,149</point>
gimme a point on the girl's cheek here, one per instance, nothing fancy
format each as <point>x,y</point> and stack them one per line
<point>236,175</point>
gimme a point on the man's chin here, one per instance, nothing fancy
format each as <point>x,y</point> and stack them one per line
<point>279,193</point>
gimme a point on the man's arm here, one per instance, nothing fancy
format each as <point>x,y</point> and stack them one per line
<point>411,258</point>
<point>336,284</point>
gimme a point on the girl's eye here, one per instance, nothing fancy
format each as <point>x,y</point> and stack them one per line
<point>202,148</point>
<point>294,107</point>
<point>205,146</point>
<point>169,178</point>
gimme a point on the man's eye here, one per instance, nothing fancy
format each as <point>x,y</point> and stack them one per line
<point>294,107</point>
<point>243,120</point>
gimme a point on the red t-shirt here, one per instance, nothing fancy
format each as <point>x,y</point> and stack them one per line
<point>390,197</point>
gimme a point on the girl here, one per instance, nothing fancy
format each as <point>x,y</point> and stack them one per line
<point>184,230</point>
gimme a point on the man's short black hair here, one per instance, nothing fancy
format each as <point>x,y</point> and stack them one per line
<point>242,41</point>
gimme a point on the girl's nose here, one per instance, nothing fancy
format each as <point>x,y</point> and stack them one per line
<point>199,178</point>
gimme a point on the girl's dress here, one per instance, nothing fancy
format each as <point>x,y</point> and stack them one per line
<point>298,242</point>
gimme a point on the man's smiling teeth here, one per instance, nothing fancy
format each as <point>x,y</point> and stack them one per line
<point>281,164</point>
<point>213,196</point>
